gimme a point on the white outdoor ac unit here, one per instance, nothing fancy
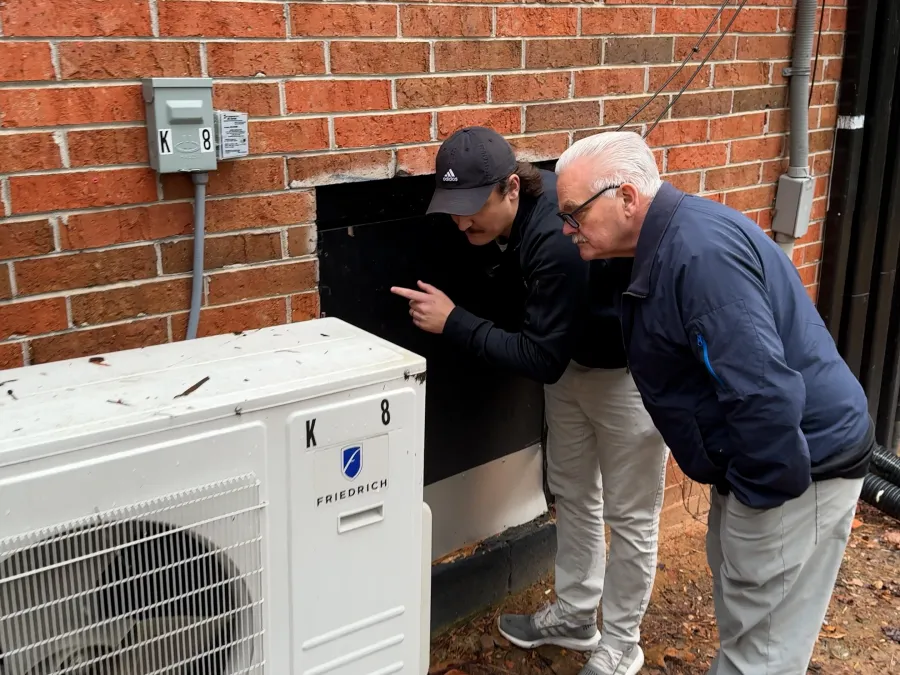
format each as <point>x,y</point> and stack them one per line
<point>236,504</point>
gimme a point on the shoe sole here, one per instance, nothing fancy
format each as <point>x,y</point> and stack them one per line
<point>635,667</point>
<point>564,642</point>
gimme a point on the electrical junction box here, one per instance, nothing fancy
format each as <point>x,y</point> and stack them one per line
<point>180,124</point>
<point>244,504</point>
<point>232,134</point>
<point>793,205</point>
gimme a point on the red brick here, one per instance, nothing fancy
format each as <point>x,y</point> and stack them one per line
<point>813,234</point>
<point>837,19</point>
<point>91,189</point>
<point>618,110</point>
<point>245,213</point>
<point>302,240</point>
<point>724,51</point>
<point>562,53</point>
<point>685,21</point>
<point>832,45</point>
<point>737,126</point>
<point>771,171</point>
<point>732,177</point>
<point>434,92</point>
<point>828,117</point>
<point>532,87</point>
<point>5,288</point>
<point>339,168</point>
<point>77,18</point>
<point>273,59</point>
<point>241,177</point>
<point>809,274</point>
<point>751,20</point>
<point>757,148</point>
<point>765,48</point>
<point>679,133</point>
<point>128,60</point>
<point>741,74</point>
<point>333,20</point>
<point>616,21</point>
<point>304,307</point>
<point>824,94</point>
<point>221,251</point>
<point>319,96</point>
<point>833,69</point>
<point>108,339</point>
<point>658,77</point>
<point>374,130</point>
<point>258,100</point>
<point>157,297</point>
<point>288,136</point>
<point>686,182</point>
<point>603,81</point>
<point>418,161</point>
<point>710,104</point>
<point>638,50</point>
<point>122,226</point>
<point>534,21</point>
<point>821,164</point>
<point>33,318</point>
<point>103,147</point>
<point>540,147</point>
<point>188,18</point>
<point>249,283</point>
<point>25,61</point>
<point>553,116</point>
<point>28,152</point>
<point>445,21</point>
<point>821,141</point>
<point>456,55</point>
<point>84,269</point>
<point>697,156</point>
<point>233,318</point>
<point>754,198</point>
<point>11,355</point>
<point>379,57</point>
<point>29,238</point>
<point>76,105</point>
<point>507,120</point>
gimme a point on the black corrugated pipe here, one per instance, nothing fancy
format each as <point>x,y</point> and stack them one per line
<point>886,465</point>
<point>882,495</point>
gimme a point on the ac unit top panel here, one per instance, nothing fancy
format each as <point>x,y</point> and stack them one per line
<point>171,384</point>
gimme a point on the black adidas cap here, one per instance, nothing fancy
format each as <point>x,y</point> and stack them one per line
<point>468,166</point>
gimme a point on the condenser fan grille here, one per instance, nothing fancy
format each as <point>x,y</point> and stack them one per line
<point>167,587</point>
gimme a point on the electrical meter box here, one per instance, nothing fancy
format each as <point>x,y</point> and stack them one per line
<point>246,504</point>
<point>180,124</point>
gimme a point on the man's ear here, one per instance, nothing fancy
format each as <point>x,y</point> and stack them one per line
<point>514,185</point>
<point>630,199</point>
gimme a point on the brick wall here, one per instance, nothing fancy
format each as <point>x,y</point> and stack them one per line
<point>95,249</point>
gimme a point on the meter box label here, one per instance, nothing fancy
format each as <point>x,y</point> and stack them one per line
<point>232,133</point>
<point>180,124</point>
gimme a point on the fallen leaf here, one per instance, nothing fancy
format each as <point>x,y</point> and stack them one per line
<point>892,537</point>
<point>857,523</point>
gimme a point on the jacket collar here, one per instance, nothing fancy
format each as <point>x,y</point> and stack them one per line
<point>656,222</point>
<point>523,216</point>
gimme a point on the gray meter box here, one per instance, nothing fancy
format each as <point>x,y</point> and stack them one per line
<point>180,125</point>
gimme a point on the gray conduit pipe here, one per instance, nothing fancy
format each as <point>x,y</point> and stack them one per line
<point>804,34</point>
<point>200,181</point>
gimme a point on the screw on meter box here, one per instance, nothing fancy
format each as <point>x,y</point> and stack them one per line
<point>233,134</point>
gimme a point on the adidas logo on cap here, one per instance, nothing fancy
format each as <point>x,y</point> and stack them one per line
<point>450,177</point>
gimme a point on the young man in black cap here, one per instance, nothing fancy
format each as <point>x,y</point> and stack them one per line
<point>600,433</point>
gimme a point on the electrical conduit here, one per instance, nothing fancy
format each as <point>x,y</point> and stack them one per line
<point>200,180</point>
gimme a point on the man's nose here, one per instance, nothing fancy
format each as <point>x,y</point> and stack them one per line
<point>568,230</point>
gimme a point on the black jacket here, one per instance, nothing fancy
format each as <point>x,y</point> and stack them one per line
<point>560,308</point>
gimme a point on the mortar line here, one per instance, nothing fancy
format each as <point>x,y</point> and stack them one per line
<point>154,17</point>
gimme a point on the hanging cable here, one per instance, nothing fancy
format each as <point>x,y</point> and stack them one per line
<point>698,69</point>
<point>812,82</point>
<point>690,55</point>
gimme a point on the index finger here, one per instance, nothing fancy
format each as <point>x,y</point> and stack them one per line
<point>408,293</point>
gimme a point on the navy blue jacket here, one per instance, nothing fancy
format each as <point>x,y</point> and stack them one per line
<point>733,362</point>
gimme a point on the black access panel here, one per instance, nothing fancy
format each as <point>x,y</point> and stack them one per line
<point>374,235</point>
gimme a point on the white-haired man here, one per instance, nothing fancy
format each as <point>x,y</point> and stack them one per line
<point>746,386</point>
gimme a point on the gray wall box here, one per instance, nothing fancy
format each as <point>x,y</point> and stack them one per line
<point>180,125</point>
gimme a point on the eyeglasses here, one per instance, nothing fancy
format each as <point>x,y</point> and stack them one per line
<point>568,217</point>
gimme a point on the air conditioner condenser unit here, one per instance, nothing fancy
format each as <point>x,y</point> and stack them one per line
<point>238,504</point>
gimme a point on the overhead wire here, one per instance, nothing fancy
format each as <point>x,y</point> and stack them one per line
<point>812,82</point>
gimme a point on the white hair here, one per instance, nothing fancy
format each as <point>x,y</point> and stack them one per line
<point>619,157</point>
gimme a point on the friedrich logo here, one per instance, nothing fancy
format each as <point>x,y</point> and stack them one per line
<point>351,461</point>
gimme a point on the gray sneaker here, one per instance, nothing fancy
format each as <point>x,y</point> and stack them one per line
<point>609,661</point>
<point>545,627</point>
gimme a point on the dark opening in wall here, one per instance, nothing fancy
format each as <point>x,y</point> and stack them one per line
<point>374,235</point>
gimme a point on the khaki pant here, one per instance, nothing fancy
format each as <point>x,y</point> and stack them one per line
<point>605,462</point>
